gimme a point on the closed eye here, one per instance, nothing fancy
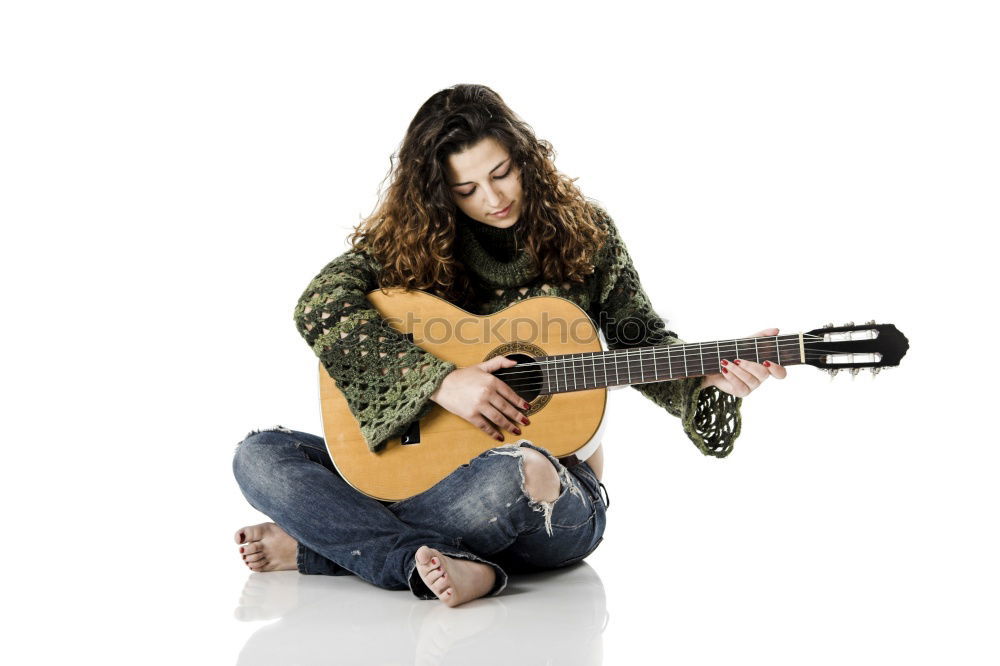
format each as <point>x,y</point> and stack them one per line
<point>470,192</point>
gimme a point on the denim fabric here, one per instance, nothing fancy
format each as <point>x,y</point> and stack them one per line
<point>479,512</point>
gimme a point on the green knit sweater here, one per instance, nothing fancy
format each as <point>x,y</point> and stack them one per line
<point>388,380</point>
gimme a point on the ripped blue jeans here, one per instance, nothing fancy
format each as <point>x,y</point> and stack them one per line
<point>479,512</point>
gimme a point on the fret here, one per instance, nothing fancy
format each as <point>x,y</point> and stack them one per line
<point>589,370</point>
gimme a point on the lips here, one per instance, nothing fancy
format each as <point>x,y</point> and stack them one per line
<point>504,211</point>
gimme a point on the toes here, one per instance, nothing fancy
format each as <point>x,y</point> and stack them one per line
<point>258,565</point>
<point>252,547</point>
<point>440,585</point>
<point>433,575</point>
<point>240,535</point>
<point>256,557</point>
<point>253,533</point>
<point>424,555</point>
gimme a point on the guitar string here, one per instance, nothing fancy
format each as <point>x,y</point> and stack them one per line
<point>526,384</point>
<point>671,350</point>
<point>570,374</point>
<point>616,357</point>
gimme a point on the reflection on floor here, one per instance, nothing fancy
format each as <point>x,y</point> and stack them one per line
<point>556,617</point>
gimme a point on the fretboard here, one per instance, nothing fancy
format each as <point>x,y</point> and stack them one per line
<point>579,372</point>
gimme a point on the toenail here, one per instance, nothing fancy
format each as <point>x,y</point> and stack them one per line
<point>434,560</point>
<point>241,549</point>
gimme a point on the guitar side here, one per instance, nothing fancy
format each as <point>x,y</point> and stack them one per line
<point>564,424</point>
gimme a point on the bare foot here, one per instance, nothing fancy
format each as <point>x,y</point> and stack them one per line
<point>267,547</point>
<point>454,581</point>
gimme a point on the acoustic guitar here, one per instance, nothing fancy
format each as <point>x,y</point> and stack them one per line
<point>563,371</point>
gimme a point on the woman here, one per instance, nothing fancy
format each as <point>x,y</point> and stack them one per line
<point>477,214</point>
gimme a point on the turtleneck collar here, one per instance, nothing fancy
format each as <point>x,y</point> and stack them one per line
<point>496,255</point>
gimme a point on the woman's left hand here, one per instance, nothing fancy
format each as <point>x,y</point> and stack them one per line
<point>740,376</point>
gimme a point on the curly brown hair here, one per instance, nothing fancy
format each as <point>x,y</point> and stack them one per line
<point>412,231</point>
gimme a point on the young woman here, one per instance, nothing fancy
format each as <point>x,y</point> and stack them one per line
<point>477,214</point>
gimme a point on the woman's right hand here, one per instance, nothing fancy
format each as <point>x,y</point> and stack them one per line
<point>481,399</point>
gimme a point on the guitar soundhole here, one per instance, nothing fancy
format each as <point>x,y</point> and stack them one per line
<point>526,380</point>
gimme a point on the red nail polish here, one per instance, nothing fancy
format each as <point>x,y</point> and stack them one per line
<point>725,363</point>
<point>241,550</point>
<point>527,405</point>
<point>767,364</point>
<point>525,421</point>
<point>517,431</point>
<point>724,370</point>
<point>737,361</point>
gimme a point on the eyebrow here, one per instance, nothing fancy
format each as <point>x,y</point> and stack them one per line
<point>469,182</point>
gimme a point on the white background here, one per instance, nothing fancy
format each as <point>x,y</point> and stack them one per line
<point>172,175</point>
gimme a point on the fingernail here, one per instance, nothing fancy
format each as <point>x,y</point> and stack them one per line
<point>737,361</point>
<point>499,438</point>
<point>724,370</point>
<point>517,431</point>
<point>525,421</point>
<point>527,405</point>
<point>767,364</point>
<point>725,363</point>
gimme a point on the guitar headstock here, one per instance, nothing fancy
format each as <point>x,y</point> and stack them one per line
<point>849,347</point>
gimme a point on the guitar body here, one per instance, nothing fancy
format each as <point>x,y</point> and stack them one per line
<point>564,423</point>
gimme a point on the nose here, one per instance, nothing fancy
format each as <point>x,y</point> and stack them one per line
<point>492,197</point>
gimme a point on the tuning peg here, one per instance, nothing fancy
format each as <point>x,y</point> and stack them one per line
<point>875,371</point>
<point>854,372</point>
<point>850,323</point>
<point>870,323</point>
<point>830,325</point>
<point>833,372</point>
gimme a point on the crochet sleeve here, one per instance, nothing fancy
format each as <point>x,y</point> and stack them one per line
<point>710,417</point>
<point>386,379</point>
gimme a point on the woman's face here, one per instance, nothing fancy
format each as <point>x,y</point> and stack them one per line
<point>484,181</point>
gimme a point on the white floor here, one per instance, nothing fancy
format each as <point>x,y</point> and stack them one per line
<point>550,618</point>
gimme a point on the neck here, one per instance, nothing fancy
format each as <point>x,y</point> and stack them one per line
<point>578,372</point>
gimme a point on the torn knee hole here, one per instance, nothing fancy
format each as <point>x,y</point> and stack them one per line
<point>541,479</point>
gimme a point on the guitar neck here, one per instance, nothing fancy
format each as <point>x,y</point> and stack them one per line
<point>642,365</point>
